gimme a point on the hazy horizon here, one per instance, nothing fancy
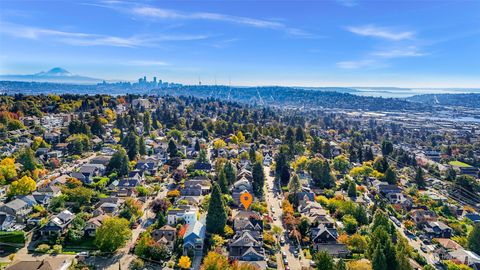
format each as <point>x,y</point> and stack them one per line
<point>287,43</point>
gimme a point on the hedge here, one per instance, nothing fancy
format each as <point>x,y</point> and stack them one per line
<point>16,237</point>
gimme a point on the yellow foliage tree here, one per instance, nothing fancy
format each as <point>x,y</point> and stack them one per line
<point>219,143</point>
<point>243,266</point>
<point>22,186</point>
<point>359,265</point>
<point>109,114</point>
<point>184,262</point>
<point>7,169</point>
<point>234,139</point>
<point>300,164</point>
<point>38,142</point>
<point>240,137</point>
<point>216,261</point>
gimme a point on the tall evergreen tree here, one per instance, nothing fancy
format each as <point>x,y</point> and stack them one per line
<point>197,145</point>
<point>474,239</point>
<point>379,262</point>
<point>230,173</point>
<point>368,154</point>
<point>420,179</point>
<point>299,134</point>
<point>147,126</point>
<point>258,179</point>
<point>316,145</point>
<point>222,181</point>
<point>202,157</point>
<point>284,176</point>
<point>252,154</point>
<point>172,149</point>
<point>216,216</point>
<point>289,136</point>
<point>141,146</point>
<point>324,261</point>
<point>154,122</point>
<point>119,163</point>
<point>131,145</point>
<point>387,147</point>
<point>326,150</point>
<point>352,189</point>
<point>391,176</point>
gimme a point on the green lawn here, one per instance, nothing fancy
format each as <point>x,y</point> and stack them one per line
<point>459,164</point>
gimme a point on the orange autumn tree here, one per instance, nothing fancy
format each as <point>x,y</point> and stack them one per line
<point>182,231</point>
<point>184,262</point>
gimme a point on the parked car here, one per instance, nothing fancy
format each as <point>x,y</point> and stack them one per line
<point>396,221</point>
<point>83,253</point>
<point>295,253</point>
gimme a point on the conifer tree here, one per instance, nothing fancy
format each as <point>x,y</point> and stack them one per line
<point>172,149</point>
<point>230,173</point>
<point>141,146</point>
<point>419,178</point>
<point>258,179</point>
<point>391,176</point>
<point>222,181</point>
<point>216,216</point>
<point>379,262</point>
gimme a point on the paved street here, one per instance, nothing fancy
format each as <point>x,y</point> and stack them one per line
<point>416,244</point>
<point>274,201</point>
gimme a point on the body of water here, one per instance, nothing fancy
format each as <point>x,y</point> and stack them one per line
<point>405,93</point>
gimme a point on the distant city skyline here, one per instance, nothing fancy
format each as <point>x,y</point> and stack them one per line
<point>290,43</point>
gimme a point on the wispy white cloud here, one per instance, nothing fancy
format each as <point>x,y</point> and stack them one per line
<point>156,13</point>
<point>410,51</point>
<point>88,39</point>
<point>224,43</point>
<point>379,59</point>
<point>366,63</point>
<point>381,32</point>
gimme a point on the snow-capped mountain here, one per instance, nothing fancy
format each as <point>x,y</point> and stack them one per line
<point>56,74</point>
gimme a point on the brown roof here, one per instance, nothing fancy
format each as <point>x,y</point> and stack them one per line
<point>167,228</point>
<point>46,264</point>
<point>53,263</point>
<point>448,243</point>
<point>98,219</point>
<point>25,265</point>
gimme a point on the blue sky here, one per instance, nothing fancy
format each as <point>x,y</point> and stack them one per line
<point>304,43</point>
